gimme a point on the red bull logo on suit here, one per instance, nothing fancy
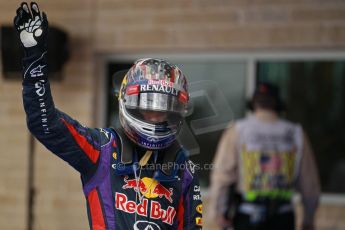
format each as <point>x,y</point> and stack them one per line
<point>149,187</point>
<point>156,211</point>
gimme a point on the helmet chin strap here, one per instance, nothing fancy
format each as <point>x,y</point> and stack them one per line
<point>143,161</point>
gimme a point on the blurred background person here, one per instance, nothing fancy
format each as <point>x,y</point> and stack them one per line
<point>260,161</point>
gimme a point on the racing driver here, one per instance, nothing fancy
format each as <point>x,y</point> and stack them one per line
<point>121,190</point>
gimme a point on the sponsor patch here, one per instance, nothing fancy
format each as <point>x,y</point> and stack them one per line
<point>146,225</point>
<point>149,187</point>
<point>154,210</point>
<point>198,221</point>
<point>199,208</point>
<point>37,71</point>
<point>40,90</point>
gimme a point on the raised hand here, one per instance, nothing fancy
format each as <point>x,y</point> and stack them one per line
<point>31,26</point>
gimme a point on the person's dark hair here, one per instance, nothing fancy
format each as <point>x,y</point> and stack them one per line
<point>266,96</point>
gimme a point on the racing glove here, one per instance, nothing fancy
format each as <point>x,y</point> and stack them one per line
<point>32,28</point>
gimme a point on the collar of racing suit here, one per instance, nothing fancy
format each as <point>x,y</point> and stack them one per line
<point>166,169</point>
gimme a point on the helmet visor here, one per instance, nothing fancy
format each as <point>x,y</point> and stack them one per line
<point>156,117</point>
<point>161,98</point>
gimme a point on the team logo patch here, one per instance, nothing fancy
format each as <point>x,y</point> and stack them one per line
<point>149,188</point>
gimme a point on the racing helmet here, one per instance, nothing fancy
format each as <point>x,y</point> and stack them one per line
<point>153,99</point>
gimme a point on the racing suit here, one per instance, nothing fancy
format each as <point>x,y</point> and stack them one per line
<point>108,163</point>
<point>264,159</point>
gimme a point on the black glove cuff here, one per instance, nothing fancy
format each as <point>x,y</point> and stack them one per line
<point>35,50</point>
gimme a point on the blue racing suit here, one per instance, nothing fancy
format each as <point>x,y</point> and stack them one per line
<point>116,197</point>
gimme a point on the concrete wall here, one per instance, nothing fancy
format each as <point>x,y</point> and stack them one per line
<point>134,26</point>
<point>219,24</point>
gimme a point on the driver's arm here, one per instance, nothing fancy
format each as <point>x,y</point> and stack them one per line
<point>65,137</point>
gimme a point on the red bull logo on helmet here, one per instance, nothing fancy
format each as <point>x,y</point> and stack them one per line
<point>155,212</point>
<point>149,188</point>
